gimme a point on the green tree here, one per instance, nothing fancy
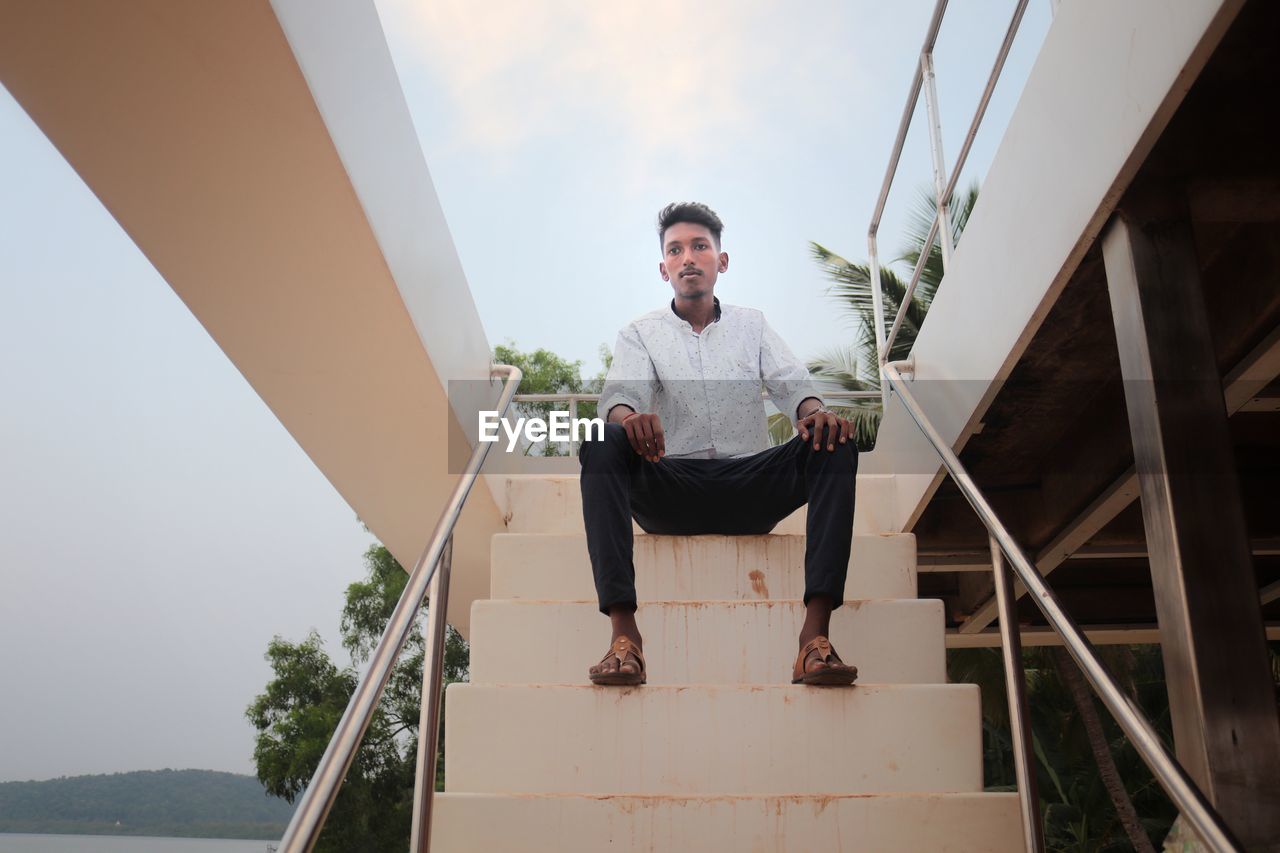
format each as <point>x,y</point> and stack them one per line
<point>547,373</point>
<point>856,367</point>
<point>1096,793</point>
<point>300,708</point>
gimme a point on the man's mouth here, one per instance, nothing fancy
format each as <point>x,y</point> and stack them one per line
<point>685,273</point>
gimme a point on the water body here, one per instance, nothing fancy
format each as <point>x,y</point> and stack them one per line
<point>17,843</point>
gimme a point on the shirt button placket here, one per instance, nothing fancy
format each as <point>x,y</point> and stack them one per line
<point>706,399</point>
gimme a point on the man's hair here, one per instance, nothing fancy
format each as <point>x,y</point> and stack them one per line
<point>694,212</point>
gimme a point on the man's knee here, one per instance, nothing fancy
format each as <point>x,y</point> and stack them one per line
<point>842,457</point>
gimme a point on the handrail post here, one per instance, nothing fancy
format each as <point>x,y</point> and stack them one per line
<point>573,416</point>
<point>877,315</point>
<point>941,202</point>
<point>1015,680</point>
<point>424,786</point>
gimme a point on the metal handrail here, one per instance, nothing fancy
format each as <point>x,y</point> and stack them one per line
<point>574,398</point>
<point>1168,772</point>
<point>308,820</point>
<point>556,397</point>
<point>904,124</point>
<point>1015,684</point>
<point>1171,776</point>
<point>944,188</point>
<point>996,68</point>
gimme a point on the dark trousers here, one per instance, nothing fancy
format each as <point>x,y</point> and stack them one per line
<point>737,497</point>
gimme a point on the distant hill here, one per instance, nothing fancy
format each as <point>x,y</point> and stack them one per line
<point>182,803</point>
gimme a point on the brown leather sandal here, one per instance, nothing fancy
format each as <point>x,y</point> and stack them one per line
<point>622,647</point>
<point>836,672</point>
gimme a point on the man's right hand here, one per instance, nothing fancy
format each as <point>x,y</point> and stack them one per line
<point>644,431</point>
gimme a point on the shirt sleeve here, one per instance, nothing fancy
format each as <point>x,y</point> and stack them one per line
<point>632,380</point>
<point>785,377</point>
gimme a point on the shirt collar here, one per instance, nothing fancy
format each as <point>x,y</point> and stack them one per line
<point>714,299</point>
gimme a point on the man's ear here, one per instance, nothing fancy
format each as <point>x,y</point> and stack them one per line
<point>662,270</point>
<point>724,261</point>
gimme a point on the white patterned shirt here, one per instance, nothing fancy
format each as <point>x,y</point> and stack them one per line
<point>705,387</point>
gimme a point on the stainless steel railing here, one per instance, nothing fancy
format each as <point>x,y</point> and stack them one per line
<point>1169,774</point>
<point>573,399</point>
<point>431,569</point>
<point>944,187</point>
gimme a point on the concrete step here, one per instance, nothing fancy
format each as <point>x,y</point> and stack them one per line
<point>536,504</point>
<point>698,740</point>
<point>716,642</point>
<point>721,568</point>
<point>894,823</point>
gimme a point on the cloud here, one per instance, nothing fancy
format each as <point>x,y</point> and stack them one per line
<point>654,75</point>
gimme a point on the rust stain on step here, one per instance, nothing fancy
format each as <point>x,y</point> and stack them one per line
<point>758,586</point>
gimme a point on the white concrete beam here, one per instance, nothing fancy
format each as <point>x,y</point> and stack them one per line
<point>195,126</point>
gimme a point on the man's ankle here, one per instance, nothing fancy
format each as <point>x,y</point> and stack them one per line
<point>631,634</point>
<point>807,636</point>
<point>624,625</point>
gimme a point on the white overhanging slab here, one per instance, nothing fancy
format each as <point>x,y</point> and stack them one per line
<point>291,210</point>
<point>343,54</point>
<point>342,51</point>
<point>1105,84</point>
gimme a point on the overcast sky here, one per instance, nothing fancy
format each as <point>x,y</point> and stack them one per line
<point>158,525</point>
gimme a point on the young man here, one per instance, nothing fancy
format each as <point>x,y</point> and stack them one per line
<point>686,448</point>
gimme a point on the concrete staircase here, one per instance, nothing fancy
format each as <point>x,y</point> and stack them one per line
<point>718,750</point>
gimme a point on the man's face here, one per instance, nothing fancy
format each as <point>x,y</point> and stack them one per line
<point>691,261</point>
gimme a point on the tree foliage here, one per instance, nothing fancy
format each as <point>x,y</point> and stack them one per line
<point>172,803</point>
<point>547,373</point>
<point>1080,804</point>
<point>856,367</point>
<point>300,708</point>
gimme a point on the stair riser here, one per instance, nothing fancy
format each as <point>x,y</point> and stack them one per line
<point>695,740</point>
<point>898,642</point>
<point>717,568</point>
<point>940,823</point>
<point>554,505</point>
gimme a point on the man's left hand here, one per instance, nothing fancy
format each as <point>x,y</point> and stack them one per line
<point>838,429</point>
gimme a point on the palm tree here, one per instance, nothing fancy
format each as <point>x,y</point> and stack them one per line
<point>857,367</point>
<point>1096,794</point>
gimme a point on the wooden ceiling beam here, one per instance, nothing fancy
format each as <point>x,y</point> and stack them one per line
<point>1254,372</point>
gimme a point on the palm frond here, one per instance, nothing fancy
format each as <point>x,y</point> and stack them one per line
<point>962,209</point>
<point>846,368</point>
<point>851,285</point>
<point>856,367</point>
<point>920,218</point>
<point>865,420</point>
<point>780,429</point>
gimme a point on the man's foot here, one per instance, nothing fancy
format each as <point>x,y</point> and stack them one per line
<point>622,665</point>
<point>819,664</point>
